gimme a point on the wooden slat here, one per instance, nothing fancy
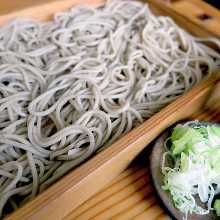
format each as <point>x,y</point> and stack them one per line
<point>137,209</point>
<point>116,186</point>
<point>152,213</point>
<point>136,200</point>
<point>163,216</point>
<point>195,10</point>
<point>15,5</point>
<point>45,11</point>
<point>182,12</point>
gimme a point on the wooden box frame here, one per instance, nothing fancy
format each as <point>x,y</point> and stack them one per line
<point>81,183</point>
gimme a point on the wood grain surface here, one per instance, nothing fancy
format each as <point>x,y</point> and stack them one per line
<point>194,15</point>
<point>187,11</point>
<point>201,13</point>
<point>39,11</point>
<point>9,6</point>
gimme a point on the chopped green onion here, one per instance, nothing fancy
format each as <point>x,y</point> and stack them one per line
<point>196,170</point>
<point>217,207</point>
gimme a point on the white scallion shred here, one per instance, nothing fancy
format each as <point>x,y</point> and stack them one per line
<point>195,149</point>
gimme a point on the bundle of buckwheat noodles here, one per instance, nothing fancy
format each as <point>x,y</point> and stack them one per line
<point>73,85</point>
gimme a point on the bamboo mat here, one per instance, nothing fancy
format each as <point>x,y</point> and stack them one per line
<point>131,195</point>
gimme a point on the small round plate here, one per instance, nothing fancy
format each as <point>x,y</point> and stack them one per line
<point>157,177</point>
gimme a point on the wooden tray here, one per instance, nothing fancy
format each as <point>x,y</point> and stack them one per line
<point>63,197</point>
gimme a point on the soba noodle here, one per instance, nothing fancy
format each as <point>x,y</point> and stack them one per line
<point>74,85</point>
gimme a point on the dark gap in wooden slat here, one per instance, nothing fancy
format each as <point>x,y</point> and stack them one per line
<point>204,17</point>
